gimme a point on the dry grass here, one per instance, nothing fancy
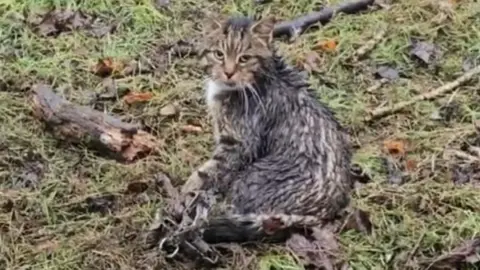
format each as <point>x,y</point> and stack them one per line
<point>50,224</point>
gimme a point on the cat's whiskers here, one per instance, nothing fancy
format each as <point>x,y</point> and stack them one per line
<point>245,98</point>
<point>257,96</point>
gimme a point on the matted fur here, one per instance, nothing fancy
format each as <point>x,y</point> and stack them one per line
<point>279,153</point>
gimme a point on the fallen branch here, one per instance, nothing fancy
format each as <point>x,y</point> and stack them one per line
<point>379,112</point>
<point>80,123</point>
<point>294,28</point>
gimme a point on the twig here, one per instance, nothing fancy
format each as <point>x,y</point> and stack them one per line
<point>379,112</point>
<point>80,123</point>
<point>294,28</point>
<point>377,85</point>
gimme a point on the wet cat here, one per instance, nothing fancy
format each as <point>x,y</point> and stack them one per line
<point>281,158</point>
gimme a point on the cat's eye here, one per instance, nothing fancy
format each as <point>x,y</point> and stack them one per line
<point>244,58</point>
<point>218,54</point>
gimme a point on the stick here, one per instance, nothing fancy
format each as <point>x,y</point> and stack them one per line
<point>80,123</point>
<point>294,28</point>
<point>379,112</point>
<point>291,29</point>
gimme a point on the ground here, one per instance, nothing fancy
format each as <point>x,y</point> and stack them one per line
<point>65,206</point>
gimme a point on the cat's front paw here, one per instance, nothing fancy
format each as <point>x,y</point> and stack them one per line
<point>194,182</point>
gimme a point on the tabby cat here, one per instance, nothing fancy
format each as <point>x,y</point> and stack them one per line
<point>281,158</point>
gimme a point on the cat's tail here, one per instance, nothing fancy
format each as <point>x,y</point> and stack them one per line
<point>256,227</point>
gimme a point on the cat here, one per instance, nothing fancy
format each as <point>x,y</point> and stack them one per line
<point>281,158</point>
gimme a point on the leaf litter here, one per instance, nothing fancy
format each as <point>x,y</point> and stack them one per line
<point>56,21</point>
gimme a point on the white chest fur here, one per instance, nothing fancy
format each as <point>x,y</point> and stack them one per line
<point>211,90</point>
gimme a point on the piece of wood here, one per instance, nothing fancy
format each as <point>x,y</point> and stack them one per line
<point>296,27</point>
<point>77,123</point>
<point>444,89</point>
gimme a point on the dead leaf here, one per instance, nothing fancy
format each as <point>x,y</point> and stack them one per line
<point>134,97</point>
<point>461,174</point>
<point>428,53</point>
<point>100,29</point>
<point>410,165</point>
<point>386,72</point>
<point>309,62</point>
<point>394,147</point>
<point>56,21</point>
<point>103,203</point>
<point>192,129</point>
<point>329,45</point>
<point>168,110</point>
<point>107,66</point>
<point>320,252</point>
<point>137,187</point>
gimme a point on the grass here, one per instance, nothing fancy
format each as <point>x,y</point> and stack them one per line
<point>45,225</point>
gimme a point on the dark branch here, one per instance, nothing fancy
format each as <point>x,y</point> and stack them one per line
<point>295,27</point>
<point>291,29</point>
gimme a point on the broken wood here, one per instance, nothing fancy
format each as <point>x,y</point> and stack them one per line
<point>77,123</point>
<point>444,89</point>
<point>294,28</point>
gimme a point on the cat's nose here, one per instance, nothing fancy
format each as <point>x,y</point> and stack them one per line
<point>229,74</point>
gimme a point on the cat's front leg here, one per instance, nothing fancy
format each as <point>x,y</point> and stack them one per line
<point>228,157</point>
<point>200,178</point>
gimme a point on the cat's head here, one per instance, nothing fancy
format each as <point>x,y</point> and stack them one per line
<point>234,48</point>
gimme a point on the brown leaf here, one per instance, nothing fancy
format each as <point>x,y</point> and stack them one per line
<point>329,45</point>
<point>411,165</point>
<point>134,97</point>
<point>57,21</point>
<point>192,129</point>
<point>137,187</point>
<point>107,66</point>
<point>394,147</point>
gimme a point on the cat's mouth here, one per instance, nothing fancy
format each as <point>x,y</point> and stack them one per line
<point>230,85</point>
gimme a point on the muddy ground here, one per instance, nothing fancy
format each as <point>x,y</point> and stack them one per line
<point>65,206</point>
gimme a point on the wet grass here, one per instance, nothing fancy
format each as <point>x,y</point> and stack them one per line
<point>49,219</point>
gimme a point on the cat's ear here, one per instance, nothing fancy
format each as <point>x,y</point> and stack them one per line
<point>264,29</point>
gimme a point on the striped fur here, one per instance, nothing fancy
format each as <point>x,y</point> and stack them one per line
<point>280,154</point>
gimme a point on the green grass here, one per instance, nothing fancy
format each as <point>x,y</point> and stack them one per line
<point>45,228</point>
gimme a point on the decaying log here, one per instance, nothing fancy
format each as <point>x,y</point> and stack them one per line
<point>77,123</point>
